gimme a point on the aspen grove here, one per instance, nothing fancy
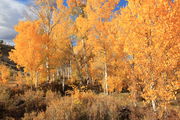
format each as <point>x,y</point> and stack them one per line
<point>89,43</point>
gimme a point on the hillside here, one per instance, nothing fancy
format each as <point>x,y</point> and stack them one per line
<point>5,49</point>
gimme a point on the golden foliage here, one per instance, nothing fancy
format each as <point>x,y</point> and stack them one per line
<point>4,74</point>
<point>140,43</point>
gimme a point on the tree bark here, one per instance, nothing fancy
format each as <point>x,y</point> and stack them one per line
<point>48,70</point>
<point>37,79</point>
<point>153,105</point>
<point>88,78</point>
<point>63,80</point>
<point>105,79</point>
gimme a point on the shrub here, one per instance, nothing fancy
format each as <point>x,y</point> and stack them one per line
<point>84,106</point>
<point>34,101</point>
<point>4,94</point>
<point>29,116</point>
<point>51,95</point>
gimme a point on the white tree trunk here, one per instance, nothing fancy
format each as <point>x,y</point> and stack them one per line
<point>48,72</point>
<point>53,77</point>
<point>37,79</point>
<point>86,63</point>
<point>105,79</point>
<point>57,73</point>
<point>153,105</point>
<point>153,101</point>
<point>63,80</point>
<point>70,68</point>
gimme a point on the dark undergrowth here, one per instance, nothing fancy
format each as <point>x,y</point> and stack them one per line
<point>49,102</point>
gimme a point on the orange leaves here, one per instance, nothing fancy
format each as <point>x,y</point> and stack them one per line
<point>28,45</point>
<point>82,25</point>
<point>150,42</point>
<point>115,84</point>
<point>97,30</point>
<point>93,42</point>
<point>4,74</point>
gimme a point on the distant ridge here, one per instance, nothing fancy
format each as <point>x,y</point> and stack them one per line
<point>5,49</point>
<point>7,42</point>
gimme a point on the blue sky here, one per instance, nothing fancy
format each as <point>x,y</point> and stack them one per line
<point>122,3</point>
<point>26,2</point>
<point>12,11</point>
<point>23,1</point>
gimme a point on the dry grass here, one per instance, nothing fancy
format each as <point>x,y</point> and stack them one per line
<point>40,105</point>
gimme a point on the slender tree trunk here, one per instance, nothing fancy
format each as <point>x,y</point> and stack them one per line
<point>134,92</point>
<point>88,78</point>
<point>68,72</point>
<point>105,79</point>
<point>63,80</point>
<point>57,74</point>
<point>70,68</point>
<point>60,69</point>
<point>153,105</point>
<point>150,58</point>
<point>53,77</point>
<point>134,83</point>
<point>78,66</point>
<point>48,70</point>
<point>79,73</point>
<point>153,102</point>
<point>37,79</point>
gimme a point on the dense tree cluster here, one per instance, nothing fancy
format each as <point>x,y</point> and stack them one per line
<point>88,42</point>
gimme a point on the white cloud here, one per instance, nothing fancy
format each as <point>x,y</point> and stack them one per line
<point>11,12</point>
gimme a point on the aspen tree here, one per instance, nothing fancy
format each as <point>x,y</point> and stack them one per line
<point>97,26</point>
<point>28,49</point>
<point>153,41</point>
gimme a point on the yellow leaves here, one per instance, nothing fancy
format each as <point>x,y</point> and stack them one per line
<point>20,78</point>
<point>149,39</point>
<point>4,74</point>
<point>143,30</point>
<point>103,37</point>
<point>82,25</point>
<point>115,84</point>
<point>28,52</point>
<point>60,3</point>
